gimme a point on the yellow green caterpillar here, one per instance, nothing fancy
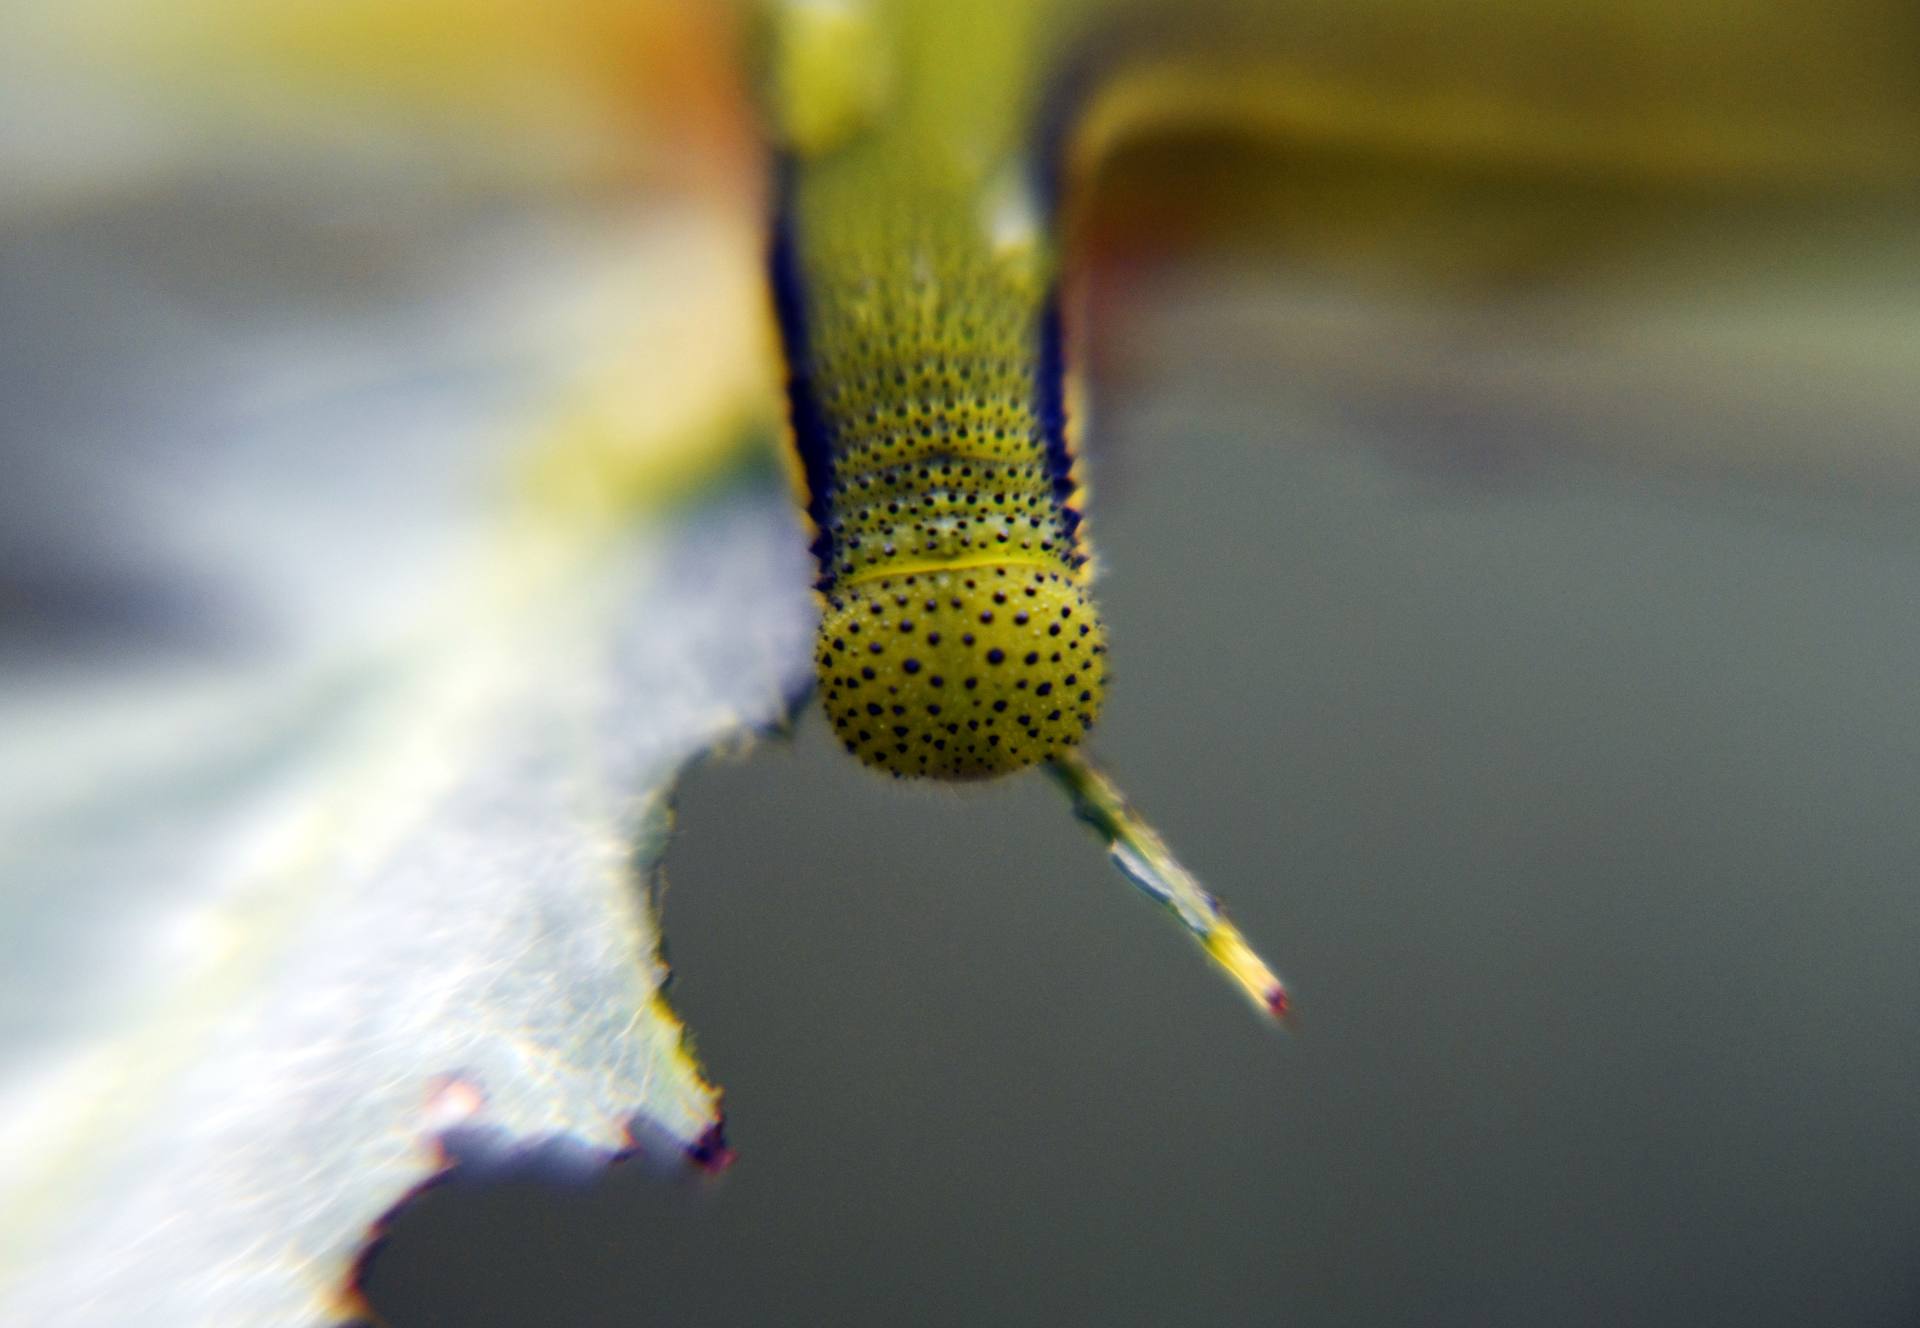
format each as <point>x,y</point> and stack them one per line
<point>917,292</point>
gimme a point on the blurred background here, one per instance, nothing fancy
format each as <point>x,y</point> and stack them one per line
<point>1505,484</point>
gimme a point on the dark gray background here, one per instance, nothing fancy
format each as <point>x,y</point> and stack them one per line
<point>1578,807</point>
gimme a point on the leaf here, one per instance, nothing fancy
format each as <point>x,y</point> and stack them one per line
<point>340,727</point>
<point>425,903</point>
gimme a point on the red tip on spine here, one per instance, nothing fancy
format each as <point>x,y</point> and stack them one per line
<point>1280,1006</point>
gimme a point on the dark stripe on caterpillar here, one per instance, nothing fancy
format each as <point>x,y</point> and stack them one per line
<point>1050,408</point>
<point>812,438</point>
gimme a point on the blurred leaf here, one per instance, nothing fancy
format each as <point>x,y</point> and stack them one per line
<point>352,643</point>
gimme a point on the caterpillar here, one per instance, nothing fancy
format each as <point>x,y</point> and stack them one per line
<point>917,295</point>
<point>958,637</point>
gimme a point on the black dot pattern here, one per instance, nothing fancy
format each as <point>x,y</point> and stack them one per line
<point>948,509</point>
<point>971,704</point>
<point>958,639</point>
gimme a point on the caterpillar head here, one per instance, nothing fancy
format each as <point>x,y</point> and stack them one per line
<point>961,672</point>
